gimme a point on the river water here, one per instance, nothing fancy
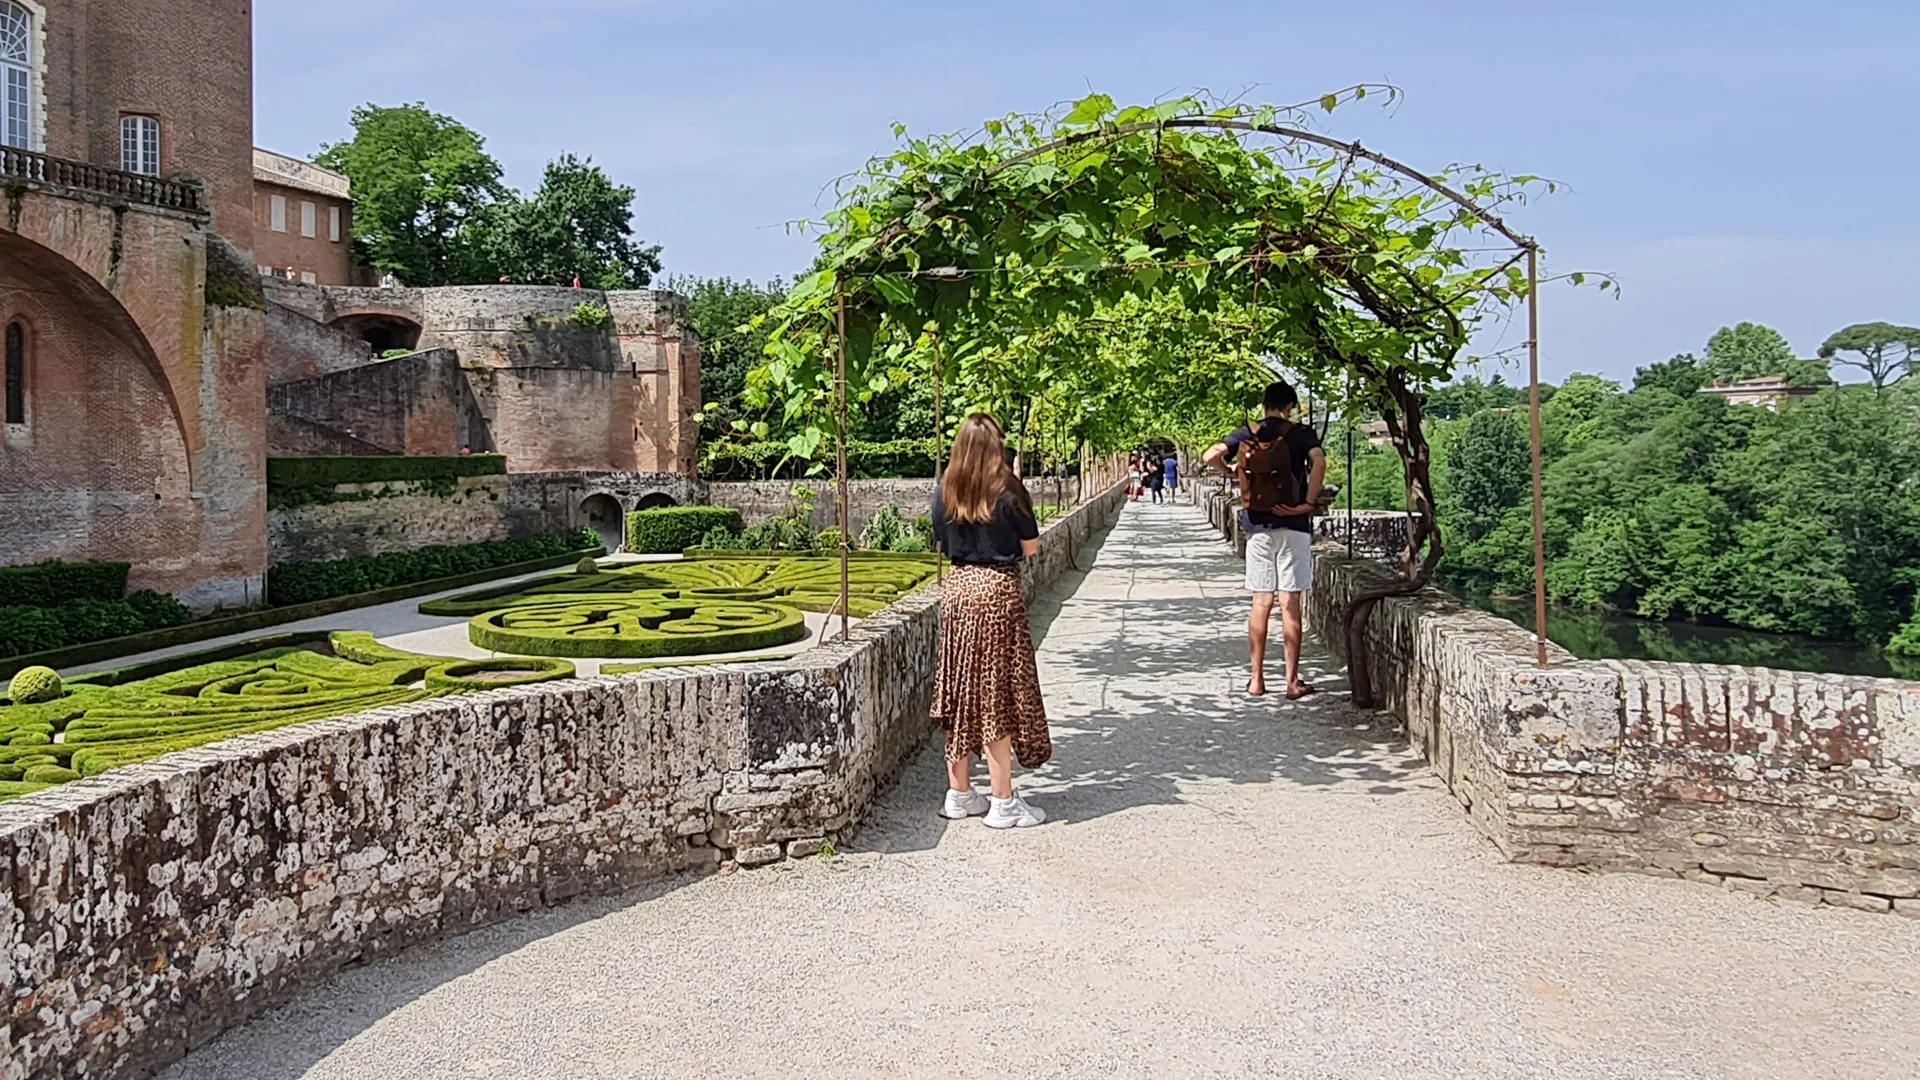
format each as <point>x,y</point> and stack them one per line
<point>1607,635</point>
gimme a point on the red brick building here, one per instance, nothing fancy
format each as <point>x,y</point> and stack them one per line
<point>302,220</point>
<point>129,313</point>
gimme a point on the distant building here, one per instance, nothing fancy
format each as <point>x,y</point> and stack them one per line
<point>302,220</point>
<point>1377,433</point>
<point>1766,392</point>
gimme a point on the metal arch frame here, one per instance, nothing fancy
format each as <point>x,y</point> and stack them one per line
<point>1523,245</point>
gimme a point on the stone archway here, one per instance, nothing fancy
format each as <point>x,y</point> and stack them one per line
<point>655,501</point>
<point>603,514</point>
<point>383,331</point>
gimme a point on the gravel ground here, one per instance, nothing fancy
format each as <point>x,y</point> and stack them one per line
<point>1228,888</point>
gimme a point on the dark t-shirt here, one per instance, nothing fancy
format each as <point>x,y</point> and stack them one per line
<point>1300,440</point>
<point>995,543</point>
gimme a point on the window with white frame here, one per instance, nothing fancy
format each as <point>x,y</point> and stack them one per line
<point>333,224</point>
<point>277,213</point>
<point>306,219</point>
<point>16,76</point>
<point>140,145</point>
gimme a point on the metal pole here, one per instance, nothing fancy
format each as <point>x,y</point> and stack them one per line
<point>1349,410</point>
<point>840,468</point>
<point>1533,418</point>
<point>939,452</point>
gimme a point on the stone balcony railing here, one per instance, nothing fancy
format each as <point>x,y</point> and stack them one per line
<point>24,166</point>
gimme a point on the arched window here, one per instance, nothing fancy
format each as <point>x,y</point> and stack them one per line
<point>140,145</point>
<point>16,373</point>
<point>16,76</point>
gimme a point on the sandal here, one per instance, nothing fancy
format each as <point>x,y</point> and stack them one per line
<point>1303,691</point>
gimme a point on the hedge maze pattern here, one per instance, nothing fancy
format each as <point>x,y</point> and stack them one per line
<point>717,603</point>
<point>96,725</point>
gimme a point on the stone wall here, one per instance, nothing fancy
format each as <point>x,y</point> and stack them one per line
<point>1796,785</point>
<point>300,348</point>
<point>419,404</point>
<point>1380,535</point>
<point>144,911</point>
<point>390,516</point>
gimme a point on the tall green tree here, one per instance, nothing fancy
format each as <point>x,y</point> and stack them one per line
<point>1751,351</point>
<point>1684,374</point>
<point>579,223</point>
<point>722,311</point>
<point>1882,350</point>
<point>1488,469</point>
<point>420,179</point>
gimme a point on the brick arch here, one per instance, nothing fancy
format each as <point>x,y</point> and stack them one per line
<point>395,327</point>
<point>60,303</point>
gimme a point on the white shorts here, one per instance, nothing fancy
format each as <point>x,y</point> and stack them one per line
<point>1279,561</point>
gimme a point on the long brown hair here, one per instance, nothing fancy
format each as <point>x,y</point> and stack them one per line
<point>978,476</point>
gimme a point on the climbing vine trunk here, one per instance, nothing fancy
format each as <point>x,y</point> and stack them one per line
<point>1424,547</point>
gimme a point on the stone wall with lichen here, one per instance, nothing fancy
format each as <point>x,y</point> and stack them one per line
<point>146,910</point>
<point>1797,785</point>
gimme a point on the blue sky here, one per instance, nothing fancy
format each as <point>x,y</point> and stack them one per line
<point>1740,159</point>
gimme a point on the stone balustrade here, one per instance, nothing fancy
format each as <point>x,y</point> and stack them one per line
<point>1796,785</point>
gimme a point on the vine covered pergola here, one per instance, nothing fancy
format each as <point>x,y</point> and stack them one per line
<point>1104,272</point>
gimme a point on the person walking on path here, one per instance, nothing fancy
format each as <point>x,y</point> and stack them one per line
<point>1171,469</point>
<point>1281,468</point>
<point>986,686</point>
<point>1134,476</point>
<point>1156,479</point>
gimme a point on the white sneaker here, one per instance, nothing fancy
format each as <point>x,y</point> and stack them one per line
<point>1014,813</point>
<point>964,804</point>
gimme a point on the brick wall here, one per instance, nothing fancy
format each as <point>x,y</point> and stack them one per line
<point>392,516</point>
<point>330,261</point>
<point>420,404</point>
<point>300,348</point>
<point>224,879</point>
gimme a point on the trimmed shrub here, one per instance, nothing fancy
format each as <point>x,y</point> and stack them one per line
<point>587,565</point>
<point>299,583</point>
<point>50,584</point>
<point>669,530</point>
<point>35,686</point>
<point>469,676</point>
<point>636,625</point>
<point>333,471</point>
<point>25,630</point>
<point>158,611</point>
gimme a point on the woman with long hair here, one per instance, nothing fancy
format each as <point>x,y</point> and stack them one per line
<point>986,690</point>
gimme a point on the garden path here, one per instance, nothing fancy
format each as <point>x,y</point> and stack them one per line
<point>1228,888</point>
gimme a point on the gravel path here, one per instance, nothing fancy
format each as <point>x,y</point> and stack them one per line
<point>1229,888</point>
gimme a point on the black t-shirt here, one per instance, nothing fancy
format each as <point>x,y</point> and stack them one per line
<point>1300,440</point>
<point>995,543</point>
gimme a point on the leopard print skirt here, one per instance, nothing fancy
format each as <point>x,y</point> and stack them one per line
<point>986,687</point>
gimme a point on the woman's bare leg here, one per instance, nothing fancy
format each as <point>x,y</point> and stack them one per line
<point>958,770</point>
<point>1000,768</point>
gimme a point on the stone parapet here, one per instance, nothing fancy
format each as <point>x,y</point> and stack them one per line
<point>1797,785</point>
<point>146,910</point>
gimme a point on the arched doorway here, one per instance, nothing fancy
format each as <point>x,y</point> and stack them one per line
<point>601,513</point>
<point>655,501</point>
<point>383,332</point>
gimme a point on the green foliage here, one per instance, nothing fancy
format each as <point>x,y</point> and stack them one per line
<point>886,530</point>
<point>591,316</point>
<point>1487,466</point>
<point>669,530</point>
<point>28,630</point>
<point>421,181</point>
<point>50,584</point>
<point>587,565</point>
<point>1669,504</point>
<point>1882,350</point>
<point>1906,642</point>
<point>723,313</point>
<point>636,625</point>
<point>395,354</point>
<point>476,675</point>
<point>1751,351</point>
<point>34,686</point>
<point>1682,375</point>
<point>1464,398</point>
<point>313,472</point>
<point>899,459</point>
<point>299,583</point>
<point>578,223</point>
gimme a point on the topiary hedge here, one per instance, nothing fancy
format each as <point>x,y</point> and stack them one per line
<point>28,630</point>
<point>50,584</point>
<point>636,625</point>
<point>474,675</point>
<point>299,583</point>
<point>672,529</point>
<point>333,471</point>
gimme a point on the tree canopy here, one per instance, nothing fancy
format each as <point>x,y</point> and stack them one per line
<point>430,207</point>
<point>1882,350</point>
<point>1752,351</point>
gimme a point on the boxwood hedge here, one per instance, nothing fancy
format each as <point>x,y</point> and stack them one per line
<point>50,584</point>
<point>670,530</point>
<point>299,583</point>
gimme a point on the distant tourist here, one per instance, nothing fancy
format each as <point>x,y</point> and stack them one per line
<point>388,281</point>
<point>1156,479</point>
<point>986,689</point>
<point>1171,469</point>
<point>1135,473</point>
<point>1280,467</point>
<point>576,281</point>
<point>465,451</point>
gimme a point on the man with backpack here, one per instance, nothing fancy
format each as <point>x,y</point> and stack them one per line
<point>1280,468</point>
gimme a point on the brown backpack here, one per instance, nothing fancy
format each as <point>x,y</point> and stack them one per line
<point>1265,472</point>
